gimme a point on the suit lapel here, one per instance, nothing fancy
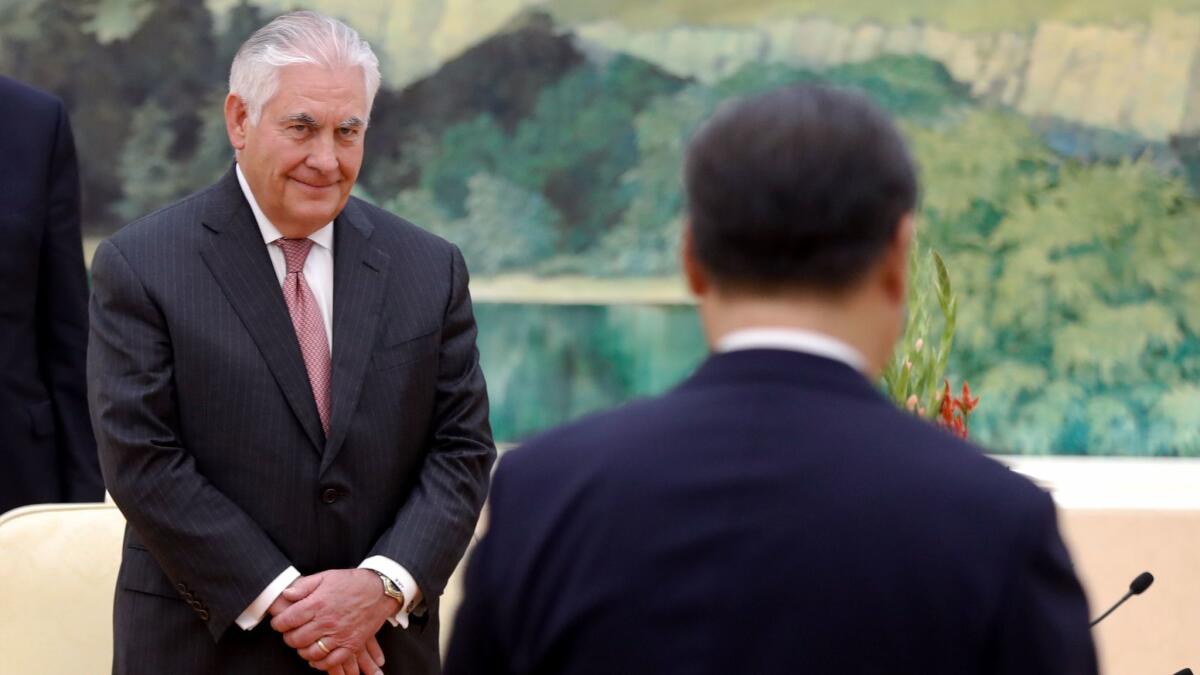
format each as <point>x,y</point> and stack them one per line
<point>239,261</point>
<point>358,283</point>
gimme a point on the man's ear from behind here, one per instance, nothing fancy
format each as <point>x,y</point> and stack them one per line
<point>237,118</point>
<point>695,274</point>
<point>894,264</point>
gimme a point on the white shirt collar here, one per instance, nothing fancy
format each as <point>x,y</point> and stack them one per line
<point>793,339</point>
<point>322,237</point>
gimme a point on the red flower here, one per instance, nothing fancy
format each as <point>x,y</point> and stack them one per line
<point>947,411</point>
<point>954,411</point>
<point>966,403</point>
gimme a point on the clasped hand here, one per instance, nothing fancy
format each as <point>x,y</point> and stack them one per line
<point>341,608</point>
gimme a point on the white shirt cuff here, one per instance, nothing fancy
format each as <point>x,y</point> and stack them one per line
<point>400,576</point>
<point>258,609</point>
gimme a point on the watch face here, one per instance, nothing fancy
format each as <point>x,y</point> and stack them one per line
<point>390,588</point>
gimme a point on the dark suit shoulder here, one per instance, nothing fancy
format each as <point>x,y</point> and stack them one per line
<point>884,450</point>
<point>170,223</point>
<point>934,454</point>
<point>591,445</point>
<point>18,96</point>
<point>399,229</point>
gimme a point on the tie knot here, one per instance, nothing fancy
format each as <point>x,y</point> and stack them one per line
<point>295,252</point>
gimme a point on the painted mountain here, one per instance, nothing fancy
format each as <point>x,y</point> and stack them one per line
<point>1059,145</point>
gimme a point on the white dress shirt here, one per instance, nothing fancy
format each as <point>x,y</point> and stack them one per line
<point>796,340</point>
<point>318,272</point>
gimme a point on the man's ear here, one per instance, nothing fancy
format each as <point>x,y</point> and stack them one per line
<point>895,261</point>
<point>237,119</point>
<point>693,271</point>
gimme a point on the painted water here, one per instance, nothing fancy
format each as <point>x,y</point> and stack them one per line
<point>547,364</point>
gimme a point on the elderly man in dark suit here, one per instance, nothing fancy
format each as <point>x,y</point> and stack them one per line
<point>287,394</point>
<point>46,448</point>
<point>775,513</point>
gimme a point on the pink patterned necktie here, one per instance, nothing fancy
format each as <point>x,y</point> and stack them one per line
<point>306,318</point>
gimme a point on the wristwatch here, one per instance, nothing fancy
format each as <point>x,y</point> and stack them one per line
<point>392,589</point>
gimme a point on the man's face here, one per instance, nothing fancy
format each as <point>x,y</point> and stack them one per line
<point>303,156</point>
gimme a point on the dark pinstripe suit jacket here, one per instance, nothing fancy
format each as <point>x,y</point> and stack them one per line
<point>211,445</point>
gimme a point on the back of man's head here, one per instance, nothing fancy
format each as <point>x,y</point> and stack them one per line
<point>801,188</point>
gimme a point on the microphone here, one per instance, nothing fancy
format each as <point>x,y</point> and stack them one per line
<point>1136,587</point>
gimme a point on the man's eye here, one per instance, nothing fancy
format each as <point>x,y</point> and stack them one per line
<point>349,132</point>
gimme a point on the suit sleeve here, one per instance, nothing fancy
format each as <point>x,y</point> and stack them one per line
<point>433,528</point>
<point>62,322</point>
<point>1043,621</point>
<point>201,539</point>
<point>476,646</point>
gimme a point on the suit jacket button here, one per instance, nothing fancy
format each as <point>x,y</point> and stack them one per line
<point>203,615</point>
<point>181,588</point>
<point>329,496</point>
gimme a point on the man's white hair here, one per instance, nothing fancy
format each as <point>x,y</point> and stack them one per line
<point>294,38</point>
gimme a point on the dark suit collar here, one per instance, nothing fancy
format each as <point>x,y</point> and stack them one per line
<point>224,207</point>
<point>782,366</point>
<point>359,272</point>
<point>239,262</point>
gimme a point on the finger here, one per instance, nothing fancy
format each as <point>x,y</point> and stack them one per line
<point>332,670</point>
<point>367,664</point>
<point>351,666</point>
<point>279,606</point>
<point>313,653</point>
<point>337,657</point>
<point>306,635</point>
<point>301,588</point>
<point>294,617</point>
<point>375,651</point>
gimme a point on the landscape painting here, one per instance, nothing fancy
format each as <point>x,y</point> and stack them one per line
<point>1058,145</point>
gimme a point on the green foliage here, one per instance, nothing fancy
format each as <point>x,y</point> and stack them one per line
<point>466,149</point>
<point>645,241</point>
<point>145,166</point>
<point>150,176</point>
<point>118,19</point>
<point>581,134</point>
<point>912,87</point>
<point>1107,344</point>
<point>505,227</point>
<point>1175,422</point>
<point>914,377</point>
<point>1080,274</point>
<point>757,78</point>
<point>965,191</point>
<point>574,151</point>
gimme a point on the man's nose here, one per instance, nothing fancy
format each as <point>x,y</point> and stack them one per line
<point>322,156</point>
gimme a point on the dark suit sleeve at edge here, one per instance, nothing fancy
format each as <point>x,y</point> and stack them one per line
<point>1042,627</point>
<point>198,536</point>
<point>62,322</point>
<point>433,528</point>
<point>476,646</point>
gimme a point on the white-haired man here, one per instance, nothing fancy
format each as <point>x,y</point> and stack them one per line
<point>284,382</point>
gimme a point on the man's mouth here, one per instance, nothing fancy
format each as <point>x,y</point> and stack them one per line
<point>315,186</point>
